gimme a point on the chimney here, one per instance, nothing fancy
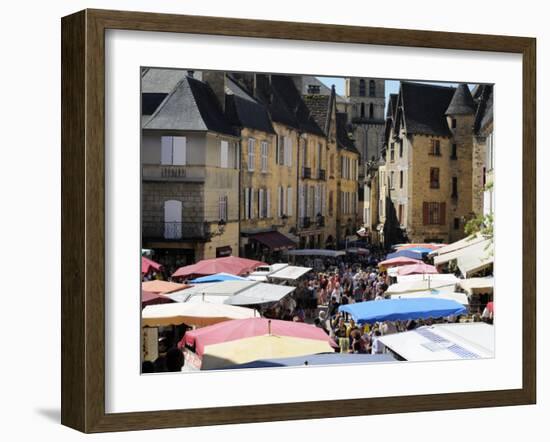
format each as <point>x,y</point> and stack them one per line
<point>216,81</point>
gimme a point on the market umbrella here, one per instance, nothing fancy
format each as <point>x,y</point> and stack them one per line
<point>399,261</point>
<point>218,277</point>
<point>158,286</point>
<point>318,359</point>
<point>416,269</point>
<point>402,309</point>
<point>259,347</point>
<point>199,314</point>
<point>414,253</point>
<point>230,264</point>
<point>147,265</point>
<point>151,298</point>
<point>246,328</point>
<point>419,245</point>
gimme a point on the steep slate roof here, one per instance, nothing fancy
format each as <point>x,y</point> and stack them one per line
<point>344,141</point>
<point>424,107</point>
<point>150,101</point>
<point>323,88</point>
<point>484,112</point>
<point>160,80</point>
<point>191,105</point>
<point>318,106</point>
<point>462,102</point>
<point>287,104</point>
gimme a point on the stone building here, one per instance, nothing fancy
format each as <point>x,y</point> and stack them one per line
<point>189,158</point>
<point>428,162</point>
<point>483,152</point>
<point>268,167</point>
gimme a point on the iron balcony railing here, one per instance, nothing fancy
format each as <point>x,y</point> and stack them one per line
<point>175,230</point>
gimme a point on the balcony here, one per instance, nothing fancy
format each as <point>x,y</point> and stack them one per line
<point>305,222</point>
<point>175,231</point>
<point>306,172</point>
<point>322,174</point>
<point>163,172</point>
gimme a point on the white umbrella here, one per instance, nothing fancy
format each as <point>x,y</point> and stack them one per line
<point>199,314</point>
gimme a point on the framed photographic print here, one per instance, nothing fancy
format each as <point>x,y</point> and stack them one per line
<point>266,221</point>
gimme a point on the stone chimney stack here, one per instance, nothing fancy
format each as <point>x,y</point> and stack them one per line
<point>216,80</point>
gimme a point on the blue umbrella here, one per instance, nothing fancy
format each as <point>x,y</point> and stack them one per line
<point>415,253</point>
<point>402,309</point>
<point>218,277</point>
<point>317,359</point>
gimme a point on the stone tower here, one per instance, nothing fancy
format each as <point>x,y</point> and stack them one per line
<point>460,118</point>
<point>368,101</point>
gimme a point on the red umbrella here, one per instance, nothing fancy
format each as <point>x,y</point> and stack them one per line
<point>399,261</point>
<point>147,265</point>
<point>230,264</point>
<point>490,307</point>
<point>416,269</point>
<point>150,298</point>
<point>247,328</point>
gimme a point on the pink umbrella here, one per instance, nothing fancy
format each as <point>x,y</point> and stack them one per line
<point>150,298</point>
<point>399,261</point>
<point>246,328</point>
<point>230,264</point>
<point>416,269</point>
<point>147,265</point>
<point>420,245</point>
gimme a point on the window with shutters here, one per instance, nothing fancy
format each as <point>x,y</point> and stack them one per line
<point>280,202</point>
<point>434,213</point>
<point>251,153</point>
<point>173,151</point>
<point>434,178</point>
<point>222,207</point>
<point>246,213</point>
<point>264,149</point>
<point>392,175</point>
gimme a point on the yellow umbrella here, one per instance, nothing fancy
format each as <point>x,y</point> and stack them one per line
<point>199,314</point>
<point>259,347</point>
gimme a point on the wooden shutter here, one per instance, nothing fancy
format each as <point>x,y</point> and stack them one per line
<point>166,150</point>
<point>260,203</point>
<point>442,213</point>
<point>246,202</point>
<point>224,154</point>
<point>179,151</point>
<point>426,213</point>
<point>289,202</point>
<point>268,211</point>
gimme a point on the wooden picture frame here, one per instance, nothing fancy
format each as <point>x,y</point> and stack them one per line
<point>83,216</point>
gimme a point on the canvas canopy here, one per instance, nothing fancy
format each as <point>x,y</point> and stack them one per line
<point>477,285</point>
<point>448,277</point>
<point>438,342</point>
<point>465,242</point>
<point>461,298</point>
<point>476,258</point>
<point>158,286</point>
<point>402,309</point>
<point>290,272</point>
<point>318,359</point>
<point>418,285</point>
<point>218,277</point>
<point>198,314</point>
<point>230,264</point>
